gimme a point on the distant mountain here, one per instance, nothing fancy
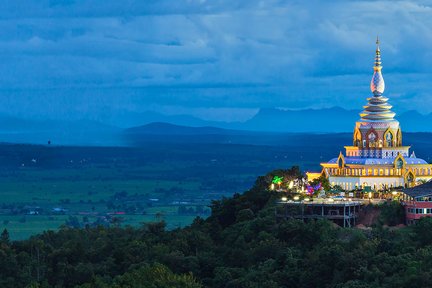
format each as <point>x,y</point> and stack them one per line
<point>329,120</point>
<point>128,119</point>
<point>165,132</point>
<point>309,120</point>
<point>161,128</point>
<point>413,121</point>
<point>321,145</point>
<point>270,126</point>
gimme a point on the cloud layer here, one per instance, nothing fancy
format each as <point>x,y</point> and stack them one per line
<point>213,59</point>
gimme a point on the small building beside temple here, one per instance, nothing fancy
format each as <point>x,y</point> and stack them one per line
<point>377,158</point>
<point>417,202</point>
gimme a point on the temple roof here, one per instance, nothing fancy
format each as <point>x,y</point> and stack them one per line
<point>377,161</point>
<point>420,190</point>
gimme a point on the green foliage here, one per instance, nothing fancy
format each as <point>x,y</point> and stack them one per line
<point>282,177</point>
<point>154,276</point>
<point>157,276</point>
<point>324,182</point>
<point>240,245</point>
<point>4,237</point>
<point>277,180</point>
<point>423,231</point>
<point>392,213</point>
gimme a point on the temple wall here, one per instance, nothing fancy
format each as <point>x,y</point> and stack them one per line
<point>350,183</point>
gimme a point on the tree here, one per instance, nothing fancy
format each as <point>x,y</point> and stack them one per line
<point>155,276</point>
<point>392,213</point>
<point>277,180</point>
<point>324,182</point>
<point>4,237</point>
<point>423,231</point>
<point>245,215</point>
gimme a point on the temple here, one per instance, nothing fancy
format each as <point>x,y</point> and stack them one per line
<point>377,157</point>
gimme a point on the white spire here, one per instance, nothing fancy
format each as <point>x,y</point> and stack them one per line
<point>377,83</point>
<point>377,108</point>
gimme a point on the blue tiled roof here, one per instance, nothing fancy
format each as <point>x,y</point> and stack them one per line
<point>377,161</point>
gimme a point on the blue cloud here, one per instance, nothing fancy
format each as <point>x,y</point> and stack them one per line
<point>80,59</point>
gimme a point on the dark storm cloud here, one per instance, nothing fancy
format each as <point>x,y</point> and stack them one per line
<point>86,59</point>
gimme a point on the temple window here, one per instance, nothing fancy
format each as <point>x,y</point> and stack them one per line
<point>372,139</point>
<point>410,177</point>
<point>340,163</point>
<point>399,163</point>
<point>389,139</point>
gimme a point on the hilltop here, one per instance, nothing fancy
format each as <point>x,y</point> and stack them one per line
<point>240,245</point>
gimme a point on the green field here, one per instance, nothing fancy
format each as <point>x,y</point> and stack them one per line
<point>152,183</point>
<point>86,191</point>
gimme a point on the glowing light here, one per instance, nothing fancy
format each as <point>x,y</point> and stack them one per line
<point>307,199</point>
<point>296,198</point>
<point>277,180</point>
<point>394,193</point>
<point>370,195</point>
<point>291,185</point>
<point>272,186</point>
<point>284,199</point>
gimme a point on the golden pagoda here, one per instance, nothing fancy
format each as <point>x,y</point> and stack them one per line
<point>377,157</point>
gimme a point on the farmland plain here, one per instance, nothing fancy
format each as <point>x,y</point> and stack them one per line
<point>45,186</point>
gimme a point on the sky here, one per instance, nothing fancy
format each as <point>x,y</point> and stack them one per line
<point>219,60</point>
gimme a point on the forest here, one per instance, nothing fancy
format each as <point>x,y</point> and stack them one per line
<point>241,244</point>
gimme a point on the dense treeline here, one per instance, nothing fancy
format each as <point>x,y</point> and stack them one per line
<point>240,245</point>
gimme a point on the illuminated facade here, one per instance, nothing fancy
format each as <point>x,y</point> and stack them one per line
<point>377,157</point>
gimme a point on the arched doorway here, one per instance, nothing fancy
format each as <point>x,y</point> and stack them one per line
<point>410,180</point>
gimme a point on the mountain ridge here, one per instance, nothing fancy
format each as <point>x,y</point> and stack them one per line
<point>325,120</point>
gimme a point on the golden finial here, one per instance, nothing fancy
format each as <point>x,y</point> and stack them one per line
<point>377,46</point>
